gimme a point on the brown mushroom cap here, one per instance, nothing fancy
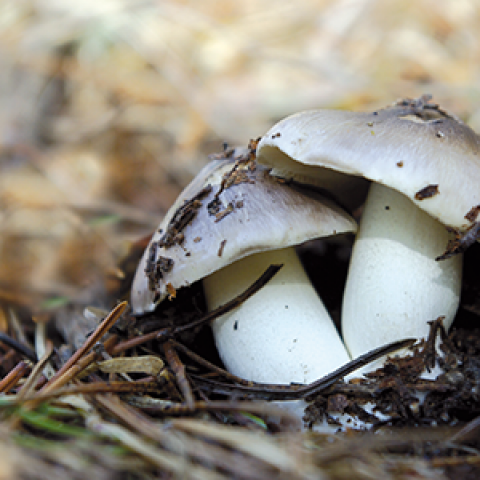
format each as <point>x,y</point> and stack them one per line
<point>413,147</point>
<point>210,227</point>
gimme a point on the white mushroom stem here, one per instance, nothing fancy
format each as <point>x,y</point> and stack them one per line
<point>283,333</point>
<point>394,285</point>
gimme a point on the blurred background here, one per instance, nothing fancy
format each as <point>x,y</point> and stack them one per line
<point>109,107</point>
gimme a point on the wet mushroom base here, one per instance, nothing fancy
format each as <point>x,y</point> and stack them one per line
<point>395,390</point>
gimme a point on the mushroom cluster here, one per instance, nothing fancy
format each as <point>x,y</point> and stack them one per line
<point>226,228</point>
<point>414,170</point>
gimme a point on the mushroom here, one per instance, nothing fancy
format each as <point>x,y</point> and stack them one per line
<point>424,165</point>
<point>226,228</point>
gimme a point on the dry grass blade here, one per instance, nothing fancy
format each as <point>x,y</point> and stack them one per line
<point>29,386</point>
<point>257,446</point>
<point>148,364</point>
<point>219,453</point>
<point>162,459</point>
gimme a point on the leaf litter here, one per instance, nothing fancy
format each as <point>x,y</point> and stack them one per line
<point>108,110</point>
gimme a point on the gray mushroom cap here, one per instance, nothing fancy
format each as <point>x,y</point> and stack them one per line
<point>210,226</point>
<point>413,147</point>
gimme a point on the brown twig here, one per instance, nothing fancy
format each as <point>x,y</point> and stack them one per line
<point>19,347</point>
<point>29,385</point>
<point>100,331</point>
<point>13,376</point>
<point>210,366</point>
<point>165,333</point>
<point>294,392</point>
<point>94,388</point>
<point>436,326</point>
<point>178,369</point>
<point>266,276</point>
<point>257,408</point>
<point>461,242</point>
